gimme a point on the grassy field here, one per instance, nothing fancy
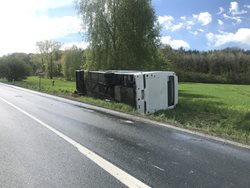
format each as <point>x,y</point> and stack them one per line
<point>217,109</point>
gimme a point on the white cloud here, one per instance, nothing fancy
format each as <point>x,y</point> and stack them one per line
<point>175,44</point>
<point>235,10</point>
<point>171,24</point>
<point>49,28</point>
<point>194,32</point>
<point>234,7</point>
<point>204,18</point>
<point>220,22</point>
<point>237,19</point>
<point>50,4</point>
<point>189,24</point>
<point>168,23</point>
<point>165,20</point>
<point>235,13</point>
<point>177,26</point>
<point>183,18</point>
<point>247,6</point>
<point>23,23</point>
<point>241,36</point>
<point>81,44</point>
<point>221,10</point>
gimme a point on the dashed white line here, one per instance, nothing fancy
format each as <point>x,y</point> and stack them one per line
<point>113,170</point>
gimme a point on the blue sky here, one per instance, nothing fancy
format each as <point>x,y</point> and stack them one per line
<point>192,24</point>
<point>204,25</point>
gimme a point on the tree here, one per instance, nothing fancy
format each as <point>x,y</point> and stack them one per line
<point>38,66</point>
<point>48,49</point>
<point>13,68</point>
<point>3,68</point>
<point>230,65</point>
<point>72,61</point>
<point>27,58</point>
<point>122,34</point>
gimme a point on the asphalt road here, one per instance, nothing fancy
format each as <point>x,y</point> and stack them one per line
<point>46,142</point>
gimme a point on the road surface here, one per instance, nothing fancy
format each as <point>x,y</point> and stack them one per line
<point>46,142</point>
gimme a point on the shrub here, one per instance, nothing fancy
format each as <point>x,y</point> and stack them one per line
<point>14,69</point>
<point>200,77</point>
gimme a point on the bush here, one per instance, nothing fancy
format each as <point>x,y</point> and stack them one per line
<point>185,76</point>
<point>13,68</point>
<point>200,77</point>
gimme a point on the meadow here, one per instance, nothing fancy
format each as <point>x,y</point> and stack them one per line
<point>217,109</point>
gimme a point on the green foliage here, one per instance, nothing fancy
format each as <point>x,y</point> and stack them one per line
<point>38,66</point>
<point>25,58</point>
<point>13,68</point>
<point>61,87</point>
<point>122,34</point>
<point>3,69</point>
<point>49,53</point>
<point>230,65</point>
<point>72,60</point>
<point>199,77</point>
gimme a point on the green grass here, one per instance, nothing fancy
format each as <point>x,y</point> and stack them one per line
<point>217,109</point>
<point>60,87</point>
<point>66,89</point>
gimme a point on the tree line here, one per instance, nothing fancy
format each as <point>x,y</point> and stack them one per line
<point>229,65</point>
<point>48,63</point>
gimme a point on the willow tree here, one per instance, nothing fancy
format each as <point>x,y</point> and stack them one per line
<point>122,34</point>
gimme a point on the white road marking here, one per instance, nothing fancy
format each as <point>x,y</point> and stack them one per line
<point>128,121</point>
<point>157,167</point>
<point>111,139</point>
<point>191,172</point>
<point>88,110</point>
<point>115,171</point>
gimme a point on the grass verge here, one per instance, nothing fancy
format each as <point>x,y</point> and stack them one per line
<point>217,109</point>
<point>66,89</point>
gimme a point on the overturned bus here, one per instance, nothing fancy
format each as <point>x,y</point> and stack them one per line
<point>148,92</point>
